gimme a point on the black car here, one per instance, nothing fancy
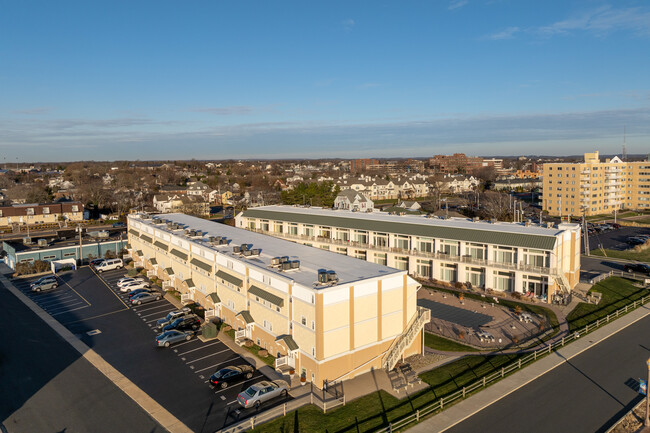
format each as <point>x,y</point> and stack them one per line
<point>635,241</point>
<point>640,268</point>
<point>231,374</point>
<point>169,318</point>
<point>187,323</point>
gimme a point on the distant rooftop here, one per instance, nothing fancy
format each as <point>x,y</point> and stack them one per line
<point>348,269</point>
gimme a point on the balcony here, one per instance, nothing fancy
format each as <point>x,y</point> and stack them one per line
<point>285,363</point>
<point>422,254</point>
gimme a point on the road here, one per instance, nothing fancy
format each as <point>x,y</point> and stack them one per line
<point>48,387</point>
<point>586,394</point>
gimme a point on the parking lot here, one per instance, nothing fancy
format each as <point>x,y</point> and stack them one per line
<point>92,307</point>
<point>616,239</point>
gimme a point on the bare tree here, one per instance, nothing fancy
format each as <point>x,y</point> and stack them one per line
<point>495,205</point>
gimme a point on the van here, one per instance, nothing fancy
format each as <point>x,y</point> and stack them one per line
<point>109,265</point>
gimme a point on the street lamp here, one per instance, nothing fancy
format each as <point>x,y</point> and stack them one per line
<point>647,398</point>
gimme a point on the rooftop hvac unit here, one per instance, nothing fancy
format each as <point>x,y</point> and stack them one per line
<point>256,251</point>
<point>42,242</point>
<point>285,266</point>
<point>322,276</point>
<point>223,241</point>
<point>295,264</point>
<point>332,277</point>
<point>244,247</point>
<point>247,253</point>
<point>211,238</point>
<point>476,219</point>
<point>170,225</point>
<point>275,261</point>
<point>236,249</point>
<point>187,231</point>
<point>493,221</point>
<point>528,223</point>
<point>284,259</point>
<point>103,234</point>
<point>549,225</point>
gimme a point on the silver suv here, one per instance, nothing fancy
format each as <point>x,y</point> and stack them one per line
<point>45,283</point>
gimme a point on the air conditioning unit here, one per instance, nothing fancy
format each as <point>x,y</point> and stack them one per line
<point>42,242</point>
<point>256,251</point>
<point>275,261</point>
<point>247,253</point>
<point>295,264</point>
<point>285,266</point>
<point>211,239</point>
<point>322,276</point>
<point>284,259</point>
<point>332,278</point>
<point>476,219</point>
<point>236,249</point>
<point>244,247</point>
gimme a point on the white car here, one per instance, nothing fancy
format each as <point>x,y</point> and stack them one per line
<point>122,281</point>
<point>134,285</point>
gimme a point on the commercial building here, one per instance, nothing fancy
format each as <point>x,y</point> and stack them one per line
<point>456,163</point>
<point>541,261</point>
<point>595,187</point>
<point>329,317</point>
<point>44,213</point>
<point>51,249</point>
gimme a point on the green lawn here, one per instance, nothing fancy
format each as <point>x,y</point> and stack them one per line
<point>641,220</point>
<point>379,408</point>
<point>254,349</point>
<point>440,343</point>
<point>643,256</point>
<point>617,292</point>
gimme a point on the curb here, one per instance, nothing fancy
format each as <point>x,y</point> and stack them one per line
<point>148,404</point>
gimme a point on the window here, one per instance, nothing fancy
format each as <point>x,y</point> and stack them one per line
<point>49,257</point>
<point>476,251</point>
<point>504,255</point>
<point>402,263</point>
<point>75,208</point>
<point>449,247</point>
<point>448,272</point>
<point>30,211</point>
<point>313,325</point>
<point>424,268</point>
<point>380,259</point>
<point>268,325</point>
<point>402,242</point>
<point>293,228</point>
<point>69,254</point>
<point>46,211</point>
<point>303,320</point>
<point>313,353</point>
<point>425,245</point>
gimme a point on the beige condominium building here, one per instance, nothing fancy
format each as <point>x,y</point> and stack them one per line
<point>595,187</point>
<point>540,261</point>
<point>327,316</point>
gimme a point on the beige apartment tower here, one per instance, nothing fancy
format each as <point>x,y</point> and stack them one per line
<point>593,187</point>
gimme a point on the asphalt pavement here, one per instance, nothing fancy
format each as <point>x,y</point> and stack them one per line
<point>47,386</point>
<point>588,393</point>
<point>124,336</point>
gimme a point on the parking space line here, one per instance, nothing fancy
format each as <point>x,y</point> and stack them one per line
<point>257,376</point>
<point>185,342</point>
<point>228,361</point>
<point>208,356</point>
<point>55,308</point>
<point>68,311</point>
<point>72,288</point>
<point>158,312</point>
<point>95,317</point>
<point>199,348</point>
<point>57,301</point>
<point>140,309</point>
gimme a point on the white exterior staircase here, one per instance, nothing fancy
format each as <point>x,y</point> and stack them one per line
<point>395,352</point>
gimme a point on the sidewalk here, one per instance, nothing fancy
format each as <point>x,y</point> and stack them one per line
<point>466,408</point>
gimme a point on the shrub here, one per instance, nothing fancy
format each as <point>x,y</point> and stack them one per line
<point>516,295</point>
<point>459,285</point>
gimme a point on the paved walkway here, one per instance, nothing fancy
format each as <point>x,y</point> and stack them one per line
<point>466,408</point>
<point>155,410</point>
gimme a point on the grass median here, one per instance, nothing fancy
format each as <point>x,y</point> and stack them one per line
<point>437,342</point>
<point>641,256</point>
<point>617,292</point>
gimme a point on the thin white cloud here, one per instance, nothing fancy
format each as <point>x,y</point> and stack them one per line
<point>348,24</point>
<point>507,33</point>
<point>33,111</point>
<point>224,111</point>
<point>601,21</point>
<point>456,4</point>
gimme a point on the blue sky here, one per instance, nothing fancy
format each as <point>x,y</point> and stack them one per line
<point>115,79</point>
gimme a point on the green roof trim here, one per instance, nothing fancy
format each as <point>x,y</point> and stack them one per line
<point>273,299</point>
<point>189,283</point>
<point>169,271</point>
<point>153,261</point>
<point>246,315</point>
<point>289,341</point>
<point>230,278</point>
<point>523,240</point>
<point>146,238</point>
<point>214,298</point>
<point>181,255</point>
<point>134,232</point>
<point>199,264</point>
<point>160,245</point>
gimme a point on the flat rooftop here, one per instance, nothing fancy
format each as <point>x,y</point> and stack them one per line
<point>54,241</point>
<point>348,269</point>
<point>465,229</point>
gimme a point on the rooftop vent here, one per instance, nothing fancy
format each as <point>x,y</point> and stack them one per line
<point>27,240</point>
<point>42,242</point>
<point>236,249</point>
<point>326,277</point>
<point>476,219</point>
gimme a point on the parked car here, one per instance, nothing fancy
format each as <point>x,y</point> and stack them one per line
<point>187,323</point>
<point>161,323</point>
<point>135,292</point>
<point>124,281</point>
<point>133,285</point>
<point>119,224</point>
<point>640,268</point>
<point>173,336</point>
<point>46,283</point>
<point>43,279</point>
<point>263,391</point>
<point>109,265</point>
<point>144,297</point>
<point>95,262</point>
<point>231,374</point>
<point>616,225</point>
<point>636,240</point>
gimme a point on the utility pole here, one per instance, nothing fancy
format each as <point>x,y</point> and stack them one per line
<point>585,233</point>
<point>81,254</point>
<point>647,398</point>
